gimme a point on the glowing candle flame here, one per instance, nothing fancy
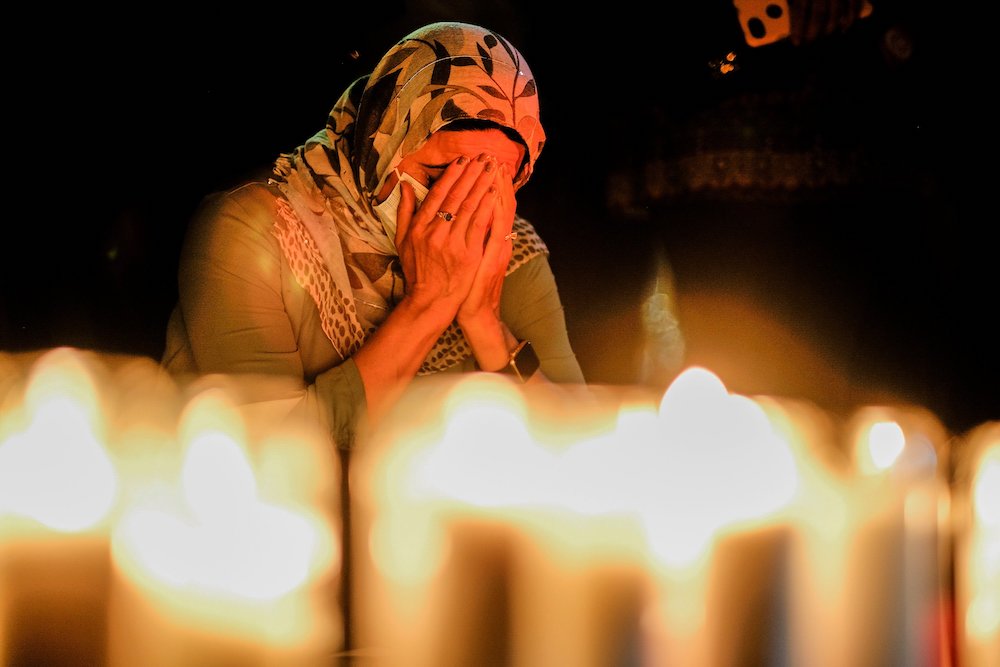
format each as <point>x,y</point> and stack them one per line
<point>986,488</point>
<point>722,464</point>
<point>56,471</point>
<point>982,616</point>
<point>882,446</point>
<point>486,456</point>
<point>227,541</point>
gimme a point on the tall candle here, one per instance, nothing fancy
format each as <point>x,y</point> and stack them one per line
<point>580,587</point>
<point>230,556</point>
<point>58,487</point>
<point>433,573</point>
<point>894,575</point>
<point>976,515</point>
<point>821,530</point>
<point>723,475</point>
<point>493,536</point>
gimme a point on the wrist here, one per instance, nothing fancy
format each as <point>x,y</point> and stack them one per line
<point>434,314</point>
<point>522,362</point>
<point>491,342</point>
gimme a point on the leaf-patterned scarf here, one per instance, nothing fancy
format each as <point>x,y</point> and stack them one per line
<point>326,226</point>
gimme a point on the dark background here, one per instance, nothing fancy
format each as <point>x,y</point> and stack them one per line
<point>869,277</point>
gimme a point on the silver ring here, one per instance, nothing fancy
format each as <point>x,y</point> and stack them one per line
<point>510,237</point>
<point>444,215</point>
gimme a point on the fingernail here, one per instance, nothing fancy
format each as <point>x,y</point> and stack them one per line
<point>482,156</point>
<point>490,165</point>
<point>463,160</point>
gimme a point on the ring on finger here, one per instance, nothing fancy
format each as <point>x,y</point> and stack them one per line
<point>444,215</point>
<point>510,237</point>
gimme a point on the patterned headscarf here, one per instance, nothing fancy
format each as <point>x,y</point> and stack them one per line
<point>327,229</point>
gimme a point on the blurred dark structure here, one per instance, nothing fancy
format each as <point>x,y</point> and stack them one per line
<point>814,209</point>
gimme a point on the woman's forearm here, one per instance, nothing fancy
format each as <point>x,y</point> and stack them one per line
<point>391,356</point>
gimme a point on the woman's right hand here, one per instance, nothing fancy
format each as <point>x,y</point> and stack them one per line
<point>440,258</point>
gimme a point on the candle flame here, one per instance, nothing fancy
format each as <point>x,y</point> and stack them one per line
<point>486,456</point>
<point>986,488</point>
<point>982,613</point>
<point>56,471</point>
<point>881,447</point>
<point>722,464</point>
<point>220,538</point>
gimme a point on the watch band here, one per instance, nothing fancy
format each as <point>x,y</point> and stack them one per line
<point>523,362</point>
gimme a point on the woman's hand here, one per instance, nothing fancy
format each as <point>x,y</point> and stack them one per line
<point>479,314</point>
<point>483,301</point>
<point>440,258</point>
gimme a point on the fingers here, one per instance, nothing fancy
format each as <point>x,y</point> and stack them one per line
<point>504,206</point>
<point>474,184</point>
<point>460,203</point>
<point>498,241</point>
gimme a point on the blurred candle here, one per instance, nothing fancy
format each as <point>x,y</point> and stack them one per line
<point>977,547</point>
<point>821,530</point>
<point>58,488</point>
<point>580,585</point>
<point>492,540</point>
<point>212,571</point>
<point>718,483</point>
<point>894,574</point>
<point>434,581</point>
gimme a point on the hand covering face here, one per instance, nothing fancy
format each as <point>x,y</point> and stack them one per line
<point>327,229</point>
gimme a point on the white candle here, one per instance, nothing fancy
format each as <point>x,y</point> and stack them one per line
<point>229,556</point>
<point>58,487</point>
<point>893,572</point>
<point>977,547</point>
<point>493,535</point>
<point>718,535</point>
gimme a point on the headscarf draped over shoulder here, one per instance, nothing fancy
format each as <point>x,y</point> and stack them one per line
<point>327,228</point>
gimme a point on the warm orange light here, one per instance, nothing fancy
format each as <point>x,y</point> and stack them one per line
<point>986,488</point>
<point>55,469</point>
<point>982,617</point>
<point>882,444</point>
<point>213,534</point>
<point>721,464</point>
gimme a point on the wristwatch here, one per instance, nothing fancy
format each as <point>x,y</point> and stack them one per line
<point>523,362</point>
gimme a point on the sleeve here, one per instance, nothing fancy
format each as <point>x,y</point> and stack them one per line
<point>531,307</point>
<point>231,299</point>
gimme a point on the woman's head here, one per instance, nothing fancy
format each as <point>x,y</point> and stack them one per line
<point>444,76</point>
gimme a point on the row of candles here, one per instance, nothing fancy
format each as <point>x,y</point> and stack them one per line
<point>143,522</point>
<point>147,521</point>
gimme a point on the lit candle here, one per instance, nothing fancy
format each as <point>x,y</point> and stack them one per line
<point>822,529</point>
<point>58,487</point>
<point>493,536</point>
<point>579,584</point>
<point>977,547</point>
<point>434,580</point>
<point>893,576</point>
<point>723,476</point>
<point>220,561</point>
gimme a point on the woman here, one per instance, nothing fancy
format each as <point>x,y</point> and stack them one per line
<point>387,245</point>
